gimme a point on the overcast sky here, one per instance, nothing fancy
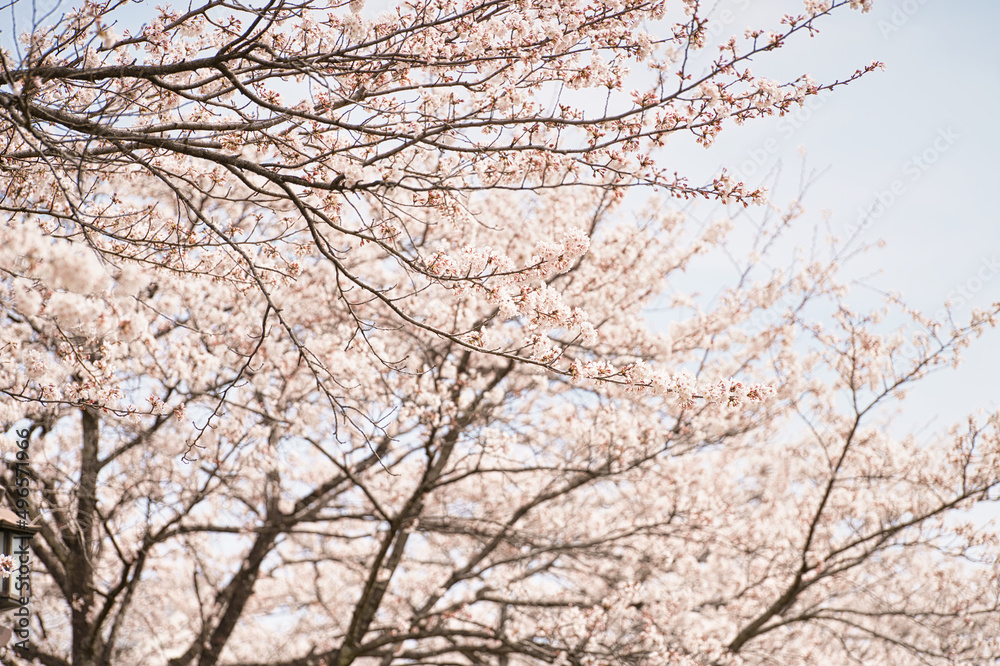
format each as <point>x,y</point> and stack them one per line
<point>921,136</point>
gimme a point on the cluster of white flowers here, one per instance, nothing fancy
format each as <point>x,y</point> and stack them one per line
<point>27,300</point>
<point>520,292</point>
<point>59,265</point>
<point>711,92</point>
<point>815,7</point>
<point>733,393</point>
<point>683,387</point>
<point>768,93</point>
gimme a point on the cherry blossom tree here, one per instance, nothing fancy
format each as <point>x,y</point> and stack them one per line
<point>334,336</point>
<point>268,138</point>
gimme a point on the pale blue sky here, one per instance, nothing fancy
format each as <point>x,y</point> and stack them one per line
<point>937,101</point>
